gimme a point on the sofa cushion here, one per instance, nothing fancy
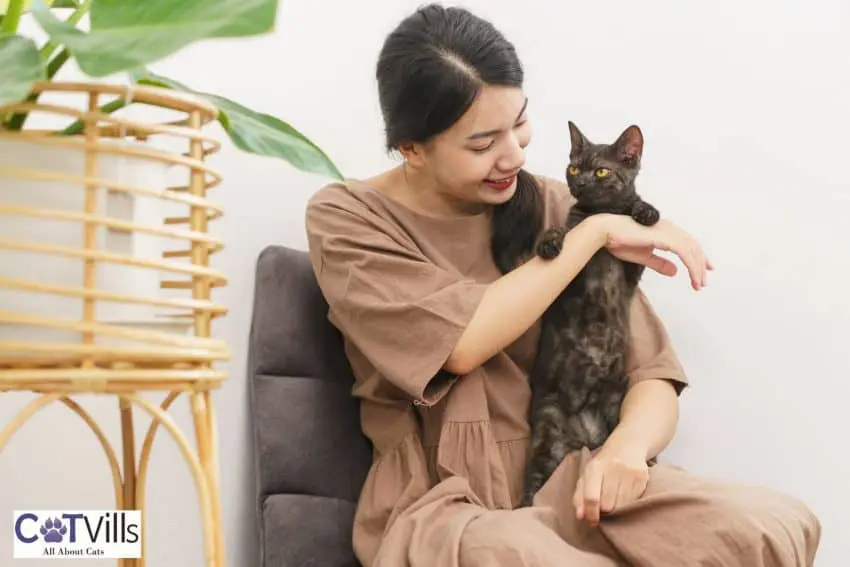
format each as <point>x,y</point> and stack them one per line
<point>317,531</point>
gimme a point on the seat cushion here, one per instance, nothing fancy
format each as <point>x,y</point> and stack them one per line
<point>317,531</point>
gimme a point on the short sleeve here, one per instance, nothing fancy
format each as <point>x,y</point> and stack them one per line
<point>651,354</point>
<point>402,312</point>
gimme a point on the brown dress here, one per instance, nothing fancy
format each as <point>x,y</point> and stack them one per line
<point>449,452</point>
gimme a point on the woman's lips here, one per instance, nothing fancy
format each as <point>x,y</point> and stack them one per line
<point>500,184</point>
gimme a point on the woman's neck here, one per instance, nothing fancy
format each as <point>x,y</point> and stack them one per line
<point>420,192</point>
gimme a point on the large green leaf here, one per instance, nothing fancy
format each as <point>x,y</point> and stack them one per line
<point>131,33</point>
<point>267,135</point>
<point>4,5</point>
<point>20,67</point>
<point>255,132</point>
<point>227,18</point>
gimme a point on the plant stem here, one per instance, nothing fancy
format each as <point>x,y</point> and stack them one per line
<point>108,108</point>
<point>57,62</point>
<point>12,17</point>
<point>51,46</point>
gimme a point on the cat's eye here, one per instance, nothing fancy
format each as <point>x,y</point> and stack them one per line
<point>602,172</point>
<point>572,170</point>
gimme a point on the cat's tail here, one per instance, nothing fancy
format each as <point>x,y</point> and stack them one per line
<point>517,223</point>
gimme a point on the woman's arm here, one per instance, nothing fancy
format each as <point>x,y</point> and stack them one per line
<point>515,301</point>
<point>618,474</point>
<point>648,419</point>
<point>512,304</point>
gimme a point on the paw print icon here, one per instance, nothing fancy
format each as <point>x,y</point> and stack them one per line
<point>53,530</point>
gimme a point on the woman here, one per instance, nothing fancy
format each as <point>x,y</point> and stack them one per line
<point>441,344</point>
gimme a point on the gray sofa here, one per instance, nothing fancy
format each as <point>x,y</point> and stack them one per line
<point>310,457</point>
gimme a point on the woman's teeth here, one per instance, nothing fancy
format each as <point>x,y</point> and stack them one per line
<point>500,184</point>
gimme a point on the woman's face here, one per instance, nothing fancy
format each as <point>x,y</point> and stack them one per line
<point>476,160</point>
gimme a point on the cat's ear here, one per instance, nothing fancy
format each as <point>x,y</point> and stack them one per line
<point>629,146</point>
<point>577,140</point>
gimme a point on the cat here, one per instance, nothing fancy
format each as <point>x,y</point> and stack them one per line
<point>579,379</point>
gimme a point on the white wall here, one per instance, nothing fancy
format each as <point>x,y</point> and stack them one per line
<point>743,106</point>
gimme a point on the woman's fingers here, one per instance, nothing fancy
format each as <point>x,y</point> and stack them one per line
<point>578,498</point>
<point>700,262</point>
<point>694,267</point>
<point>593,477</point>
<point>691,254</point>
<point>610,489</point>
<point>661,265</point>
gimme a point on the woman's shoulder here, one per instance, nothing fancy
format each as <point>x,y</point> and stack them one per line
<point>338,194</point>
<point>360,212</point>
<point>347,199</point>
<point>341,209</point>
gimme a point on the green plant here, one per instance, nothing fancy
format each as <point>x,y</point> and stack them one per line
<point>125,36</point>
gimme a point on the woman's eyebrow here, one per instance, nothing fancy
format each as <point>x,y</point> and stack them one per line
<point>489,133</point>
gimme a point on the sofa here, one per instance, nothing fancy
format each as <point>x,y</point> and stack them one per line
<point>310,456</point>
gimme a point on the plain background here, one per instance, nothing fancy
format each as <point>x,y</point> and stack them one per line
<point>744,109</point>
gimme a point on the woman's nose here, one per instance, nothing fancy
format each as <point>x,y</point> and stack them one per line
<point>513,158</point>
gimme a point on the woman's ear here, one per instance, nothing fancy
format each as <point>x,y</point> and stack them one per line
<point>413,154</point>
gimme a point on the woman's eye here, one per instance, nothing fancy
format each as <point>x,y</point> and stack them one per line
<point>484,149</point>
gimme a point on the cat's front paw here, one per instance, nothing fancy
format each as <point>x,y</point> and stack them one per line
<point>550,244</point>
<point>645,214</point>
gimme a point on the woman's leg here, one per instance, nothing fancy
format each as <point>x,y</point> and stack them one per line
<point>444,528</point>
<point>707,522</point>
<point>684,519</point>
<point>522,538</point>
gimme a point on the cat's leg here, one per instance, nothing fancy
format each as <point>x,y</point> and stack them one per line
<point>612,404</point>
<point>548,448</point>
<point>644,213</point>
<point>551,242</point>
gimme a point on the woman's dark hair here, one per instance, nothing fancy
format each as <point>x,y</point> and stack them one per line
<point>430,71</point>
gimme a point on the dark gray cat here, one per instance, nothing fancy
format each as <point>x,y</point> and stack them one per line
<point>579,381</point>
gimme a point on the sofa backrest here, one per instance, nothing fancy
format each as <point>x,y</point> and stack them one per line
<point>307,437</point>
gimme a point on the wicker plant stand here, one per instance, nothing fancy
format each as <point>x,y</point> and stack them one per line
<point>108,357</point>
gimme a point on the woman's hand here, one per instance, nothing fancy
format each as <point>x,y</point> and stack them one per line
<point>616,476</point>
<point>633,242</point>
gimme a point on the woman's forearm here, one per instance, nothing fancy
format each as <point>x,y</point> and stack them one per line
<point>648,419</point>
<point>513,303</point>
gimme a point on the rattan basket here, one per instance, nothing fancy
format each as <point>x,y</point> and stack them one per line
<point>97,297</point>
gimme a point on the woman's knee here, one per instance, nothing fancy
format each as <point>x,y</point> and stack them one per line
<point>713,523</point>
<point>502,533</point>
<point>766,528</point>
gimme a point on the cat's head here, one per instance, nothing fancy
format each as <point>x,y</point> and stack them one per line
<point>601,176</point>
